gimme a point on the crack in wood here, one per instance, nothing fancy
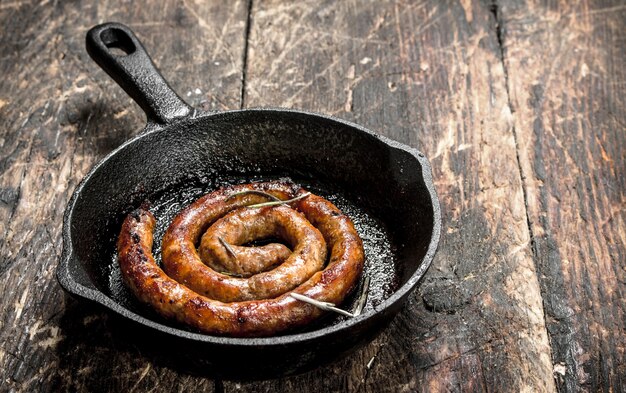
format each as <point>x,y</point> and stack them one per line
<point>496,12</point>
<point>244,67</point>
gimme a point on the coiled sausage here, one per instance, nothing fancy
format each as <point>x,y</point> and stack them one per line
<point>324,262</point>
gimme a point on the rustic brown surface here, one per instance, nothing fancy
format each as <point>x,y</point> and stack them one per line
<point>429,75</point>
<point>59,113</point>
<point>570,127</point>
<point>520,108</point>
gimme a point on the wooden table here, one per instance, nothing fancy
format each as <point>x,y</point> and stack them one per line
<point>520,107</point>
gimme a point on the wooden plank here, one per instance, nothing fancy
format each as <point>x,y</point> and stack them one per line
<point>58,114</point>
<point>566,66</point>
<point>430,75</point>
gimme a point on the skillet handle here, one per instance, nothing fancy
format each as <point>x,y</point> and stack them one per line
<point>132,68</point>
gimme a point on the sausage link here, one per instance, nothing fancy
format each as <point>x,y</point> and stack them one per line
<point>241,261</point>
<point>243,224</point>
<point>220,304</point>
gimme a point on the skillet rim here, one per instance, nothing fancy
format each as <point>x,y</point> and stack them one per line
<point>70,285</point>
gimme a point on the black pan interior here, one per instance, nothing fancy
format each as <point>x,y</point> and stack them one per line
<point>380,186</point>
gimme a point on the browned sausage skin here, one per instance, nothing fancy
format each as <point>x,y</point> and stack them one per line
<point>244,225</point>
<point>215,303</point>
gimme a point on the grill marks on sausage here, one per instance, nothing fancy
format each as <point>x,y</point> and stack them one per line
<point>178,294</point>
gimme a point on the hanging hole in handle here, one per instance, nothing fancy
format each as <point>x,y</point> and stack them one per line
<point>118,42</point>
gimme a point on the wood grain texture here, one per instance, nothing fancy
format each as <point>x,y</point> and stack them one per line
<point>519,105</point>
<point>566,65</point>
<point>429,75</point>
<point>59,113</point>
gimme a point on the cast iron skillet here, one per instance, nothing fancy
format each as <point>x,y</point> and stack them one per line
<point>181,147</point>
